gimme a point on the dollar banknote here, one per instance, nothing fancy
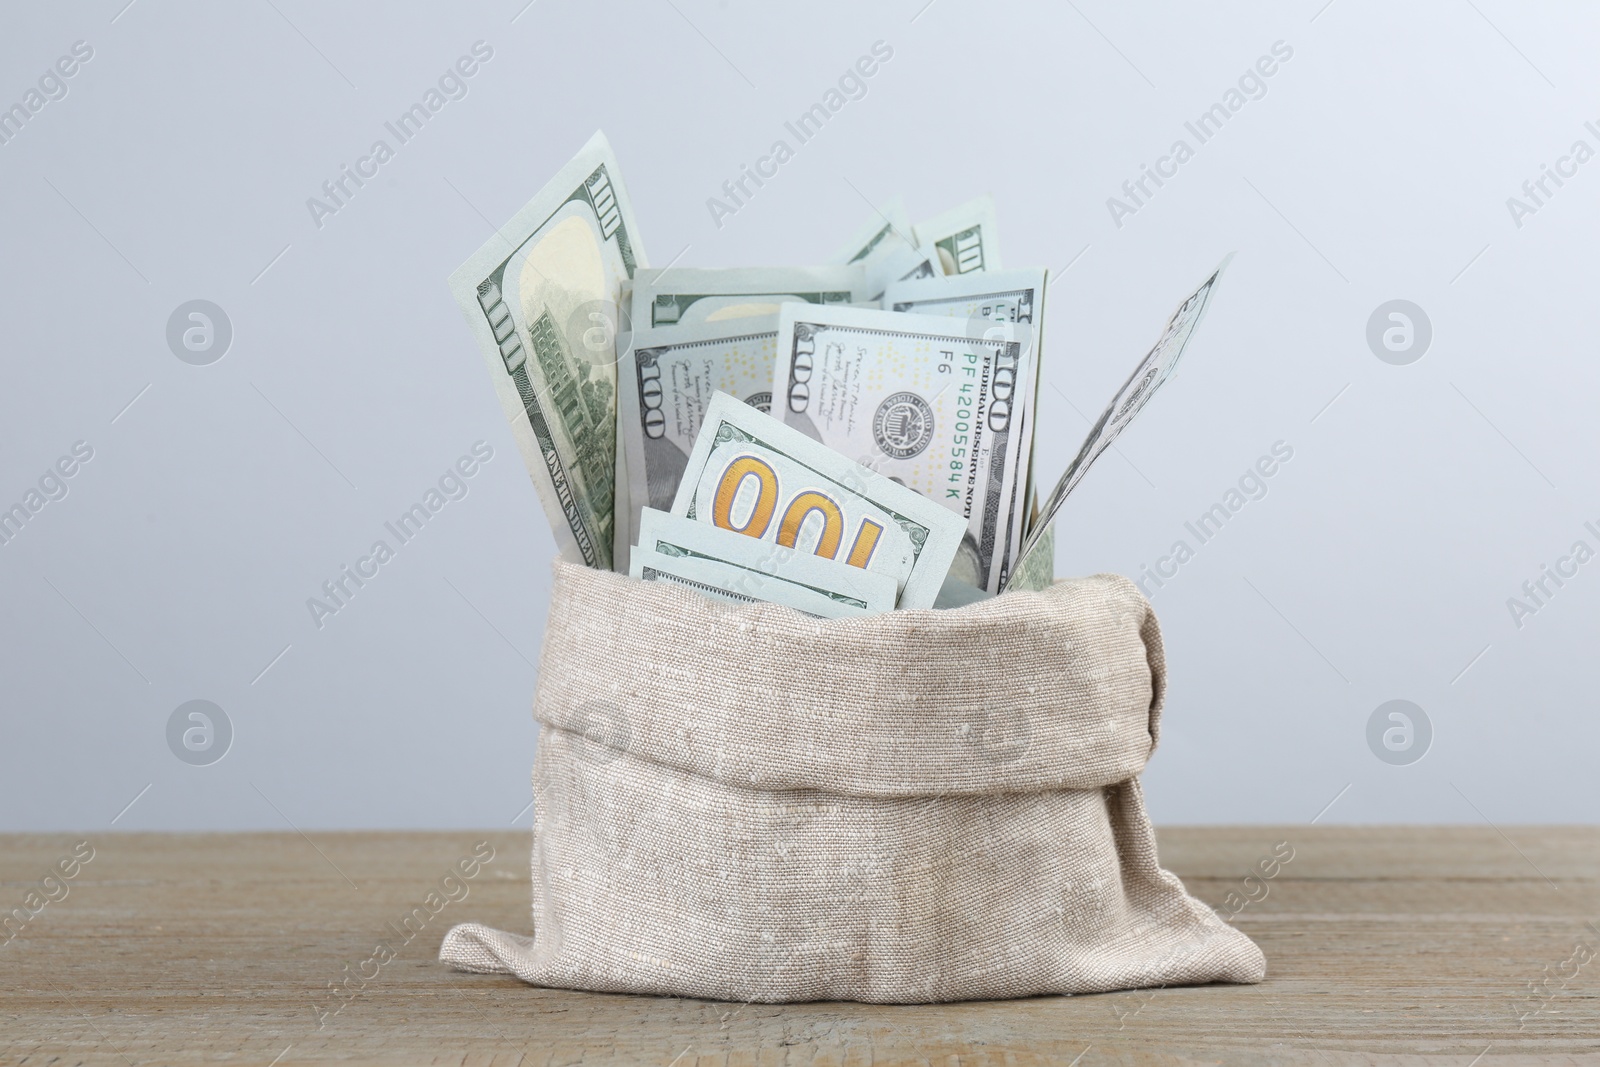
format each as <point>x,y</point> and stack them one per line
<point>667,378</point>
<point>920,399</point>
<point>1156,367</point>
<point>752,474</point>
<point>686,295</point>
<point>965,237</point>
<point>1038,570</point>
<point>886,250</point>
<point>542,298</point>
<point>989,301</point>
<point>731,566</point>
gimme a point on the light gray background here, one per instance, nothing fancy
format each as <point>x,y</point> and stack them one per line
<point>1378,567</point>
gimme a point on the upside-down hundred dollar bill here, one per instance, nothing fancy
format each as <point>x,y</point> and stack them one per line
<point>685,295</point>
<point>1156,367</point>
<point>752,474</point>
<point>885,248</point>
<point>922,399</point>
<point>965,237</point>
<point>731,566</point>
<point>666,381</point>
<point>989,301</point>
<point>542,298</point>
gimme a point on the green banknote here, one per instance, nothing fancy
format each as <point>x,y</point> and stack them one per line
<point>921,399</point>
<point>751,474</point>
<point>730,566</point>
<point>542,297</point>
<point>989,301</point>
<point>667,379</point>
<point>1156,367</point>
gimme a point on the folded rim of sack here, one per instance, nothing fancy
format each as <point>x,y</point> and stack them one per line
<point>1057,689</point>
<point>743,802</point>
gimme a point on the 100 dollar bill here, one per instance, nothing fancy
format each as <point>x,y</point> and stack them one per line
<point>687,295</point>
<point>730,566</point>
<point>1156,367</point>
<point>751,474</point>
<point>542,299</point>
<point>667,379</point>
<point>989,301</point>
<point>921,399</point>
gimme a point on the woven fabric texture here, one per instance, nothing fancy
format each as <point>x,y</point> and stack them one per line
<point>746,803</point>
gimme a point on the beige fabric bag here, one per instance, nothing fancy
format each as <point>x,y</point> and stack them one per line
<point>746,803</point>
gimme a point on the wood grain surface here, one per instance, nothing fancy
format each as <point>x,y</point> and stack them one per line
<point>1404,945</point>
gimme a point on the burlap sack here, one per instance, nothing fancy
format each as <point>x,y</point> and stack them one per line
<point>746,803</point>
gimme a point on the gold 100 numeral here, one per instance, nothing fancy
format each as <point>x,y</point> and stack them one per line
<point>795,513</point>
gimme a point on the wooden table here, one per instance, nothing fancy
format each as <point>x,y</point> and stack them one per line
<point>1385,944</point>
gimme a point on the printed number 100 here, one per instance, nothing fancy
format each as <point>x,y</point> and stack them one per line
<point>795,512</point>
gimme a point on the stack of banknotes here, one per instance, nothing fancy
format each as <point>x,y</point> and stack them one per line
<point>843,439</point>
